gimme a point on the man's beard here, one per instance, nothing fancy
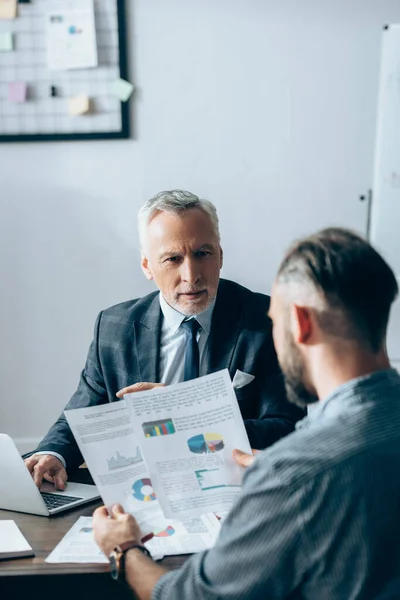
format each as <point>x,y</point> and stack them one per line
<point>294,372</point>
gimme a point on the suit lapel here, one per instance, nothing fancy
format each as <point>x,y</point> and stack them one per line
<point>225,329</point>
<point>147,335</point>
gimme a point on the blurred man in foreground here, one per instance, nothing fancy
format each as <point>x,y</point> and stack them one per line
<point>319,514</point>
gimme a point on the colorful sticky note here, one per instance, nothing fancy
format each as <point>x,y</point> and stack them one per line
<point>79,105</point>
<point>6,42</point>
<point>8,9</point>
<point>17,91</point>
<point>122,89</point>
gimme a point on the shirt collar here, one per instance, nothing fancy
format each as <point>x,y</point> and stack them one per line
<point>350,392</point>
<point>173,318</point>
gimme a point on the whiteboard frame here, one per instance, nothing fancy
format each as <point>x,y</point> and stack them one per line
<point>377,182</point>
<point>123,133</point>
<point>393,336</point>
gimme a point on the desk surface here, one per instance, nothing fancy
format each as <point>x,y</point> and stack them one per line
<point>44,533</point>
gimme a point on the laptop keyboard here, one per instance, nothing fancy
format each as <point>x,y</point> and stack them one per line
<point>56,500</point>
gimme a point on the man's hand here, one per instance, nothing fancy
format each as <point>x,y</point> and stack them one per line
<point>109,533</point>
<point>141,386</point>
<point>243,459</point>
<point>48,467</point>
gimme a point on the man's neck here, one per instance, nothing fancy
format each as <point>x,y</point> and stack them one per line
<point>334,368</point>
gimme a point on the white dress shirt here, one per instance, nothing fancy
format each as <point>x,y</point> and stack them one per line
<point>174,340</point>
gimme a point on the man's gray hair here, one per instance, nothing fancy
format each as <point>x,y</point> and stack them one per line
<point>351,285</point>
<point>176,201</point>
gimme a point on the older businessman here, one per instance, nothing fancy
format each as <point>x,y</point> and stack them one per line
<point>318,517</point>
<point>194,325</point>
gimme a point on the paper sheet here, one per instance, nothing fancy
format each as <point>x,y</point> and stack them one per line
<point>6,42</point>
<point>122,89</point>
<point>8,9</point>
<point>12,541</point>
<point>105,437</point>
<point>79,105</point>
<point>171,537</point>
<point>184,537</point>
<point>187,433</point>
<point>78,545</point>
<point>71,35</point>
<point>17,91</point>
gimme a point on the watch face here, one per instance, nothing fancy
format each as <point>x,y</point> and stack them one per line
<point>114,564</point>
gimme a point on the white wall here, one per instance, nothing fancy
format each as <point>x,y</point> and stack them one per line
<point>268,108</point>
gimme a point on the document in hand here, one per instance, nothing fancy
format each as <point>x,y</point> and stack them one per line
<point>106,440</point>
<point>187,433</point>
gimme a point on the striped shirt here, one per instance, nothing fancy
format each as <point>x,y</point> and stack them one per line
<point>319,515</point>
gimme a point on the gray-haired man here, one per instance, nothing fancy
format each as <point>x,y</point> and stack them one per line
<point>318,517</point>
<point>197,324</point>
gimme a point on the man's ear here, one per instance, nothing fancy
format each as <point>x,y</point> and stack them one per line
<point>302,325</point>
<point>221,256</point>
<point>146,267</point>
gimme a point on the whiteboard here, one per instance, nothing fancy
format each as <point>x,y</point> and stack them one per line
<point>385,216</point>
<point>43,117</point>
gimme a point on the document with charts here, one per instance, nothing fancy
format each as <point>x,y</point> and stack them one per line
<point>186,433</point>
<point>170,537</point>
<point>106,440</point>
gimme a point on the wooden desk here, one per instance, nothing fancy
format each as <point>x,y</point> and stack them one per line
<point>32,577</point>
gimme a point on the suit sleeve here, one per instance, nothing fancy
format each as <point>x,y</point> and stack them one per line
<point>273,415</point>
<point>91,392</point>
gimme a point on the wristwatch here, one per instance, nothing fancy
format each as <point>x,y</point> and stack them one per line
<point>117,558</point>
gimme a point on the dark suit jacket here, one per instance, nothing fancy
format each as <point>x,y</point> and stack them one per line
<point>125,350</point>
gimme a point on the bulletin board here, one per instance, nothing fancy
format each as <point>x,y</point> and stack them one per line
<point>44,114</point>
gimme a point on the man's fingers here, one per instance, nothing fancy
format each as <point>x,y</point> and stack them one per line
<point>38,472</point>
<point>100,513</point>
<point>30,463</point>
<point>117,510</point>
<point>243,459</point>
<point>60,479</point>
<point>140,386</point>
<point>48,466</point>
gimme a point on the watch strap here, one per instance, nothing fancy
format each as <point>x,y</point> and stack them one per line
<point>123,548</point>
<point>117,558</point>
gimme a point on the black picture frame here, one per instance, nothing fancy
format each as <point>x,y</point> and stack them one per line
<point>123,133</point>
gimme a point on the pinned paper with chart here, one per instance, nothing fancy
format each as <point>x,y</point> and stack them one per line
<point>71,35</point>
<point>6,41</point>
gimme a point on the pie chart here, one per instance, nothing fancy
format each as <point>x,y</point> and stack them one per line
<point>164,532</point>
<point>143,490</point>
<point>206,443</point>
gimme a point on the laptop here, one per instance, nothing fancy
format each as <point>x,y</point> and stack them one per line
<point>18,491</point>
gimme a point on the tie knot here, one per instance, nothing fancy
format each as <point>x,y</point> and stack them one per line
<point>191,326</point>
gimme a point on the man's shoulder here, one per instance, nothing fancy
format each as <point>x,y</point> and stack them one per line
<point>295,462</point>
<point>345,442</point>
<point>130,310</point>
<point>249,299</point>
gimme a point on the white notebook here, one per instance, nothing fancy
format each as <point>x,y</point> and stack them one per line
<point>12,542</point>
